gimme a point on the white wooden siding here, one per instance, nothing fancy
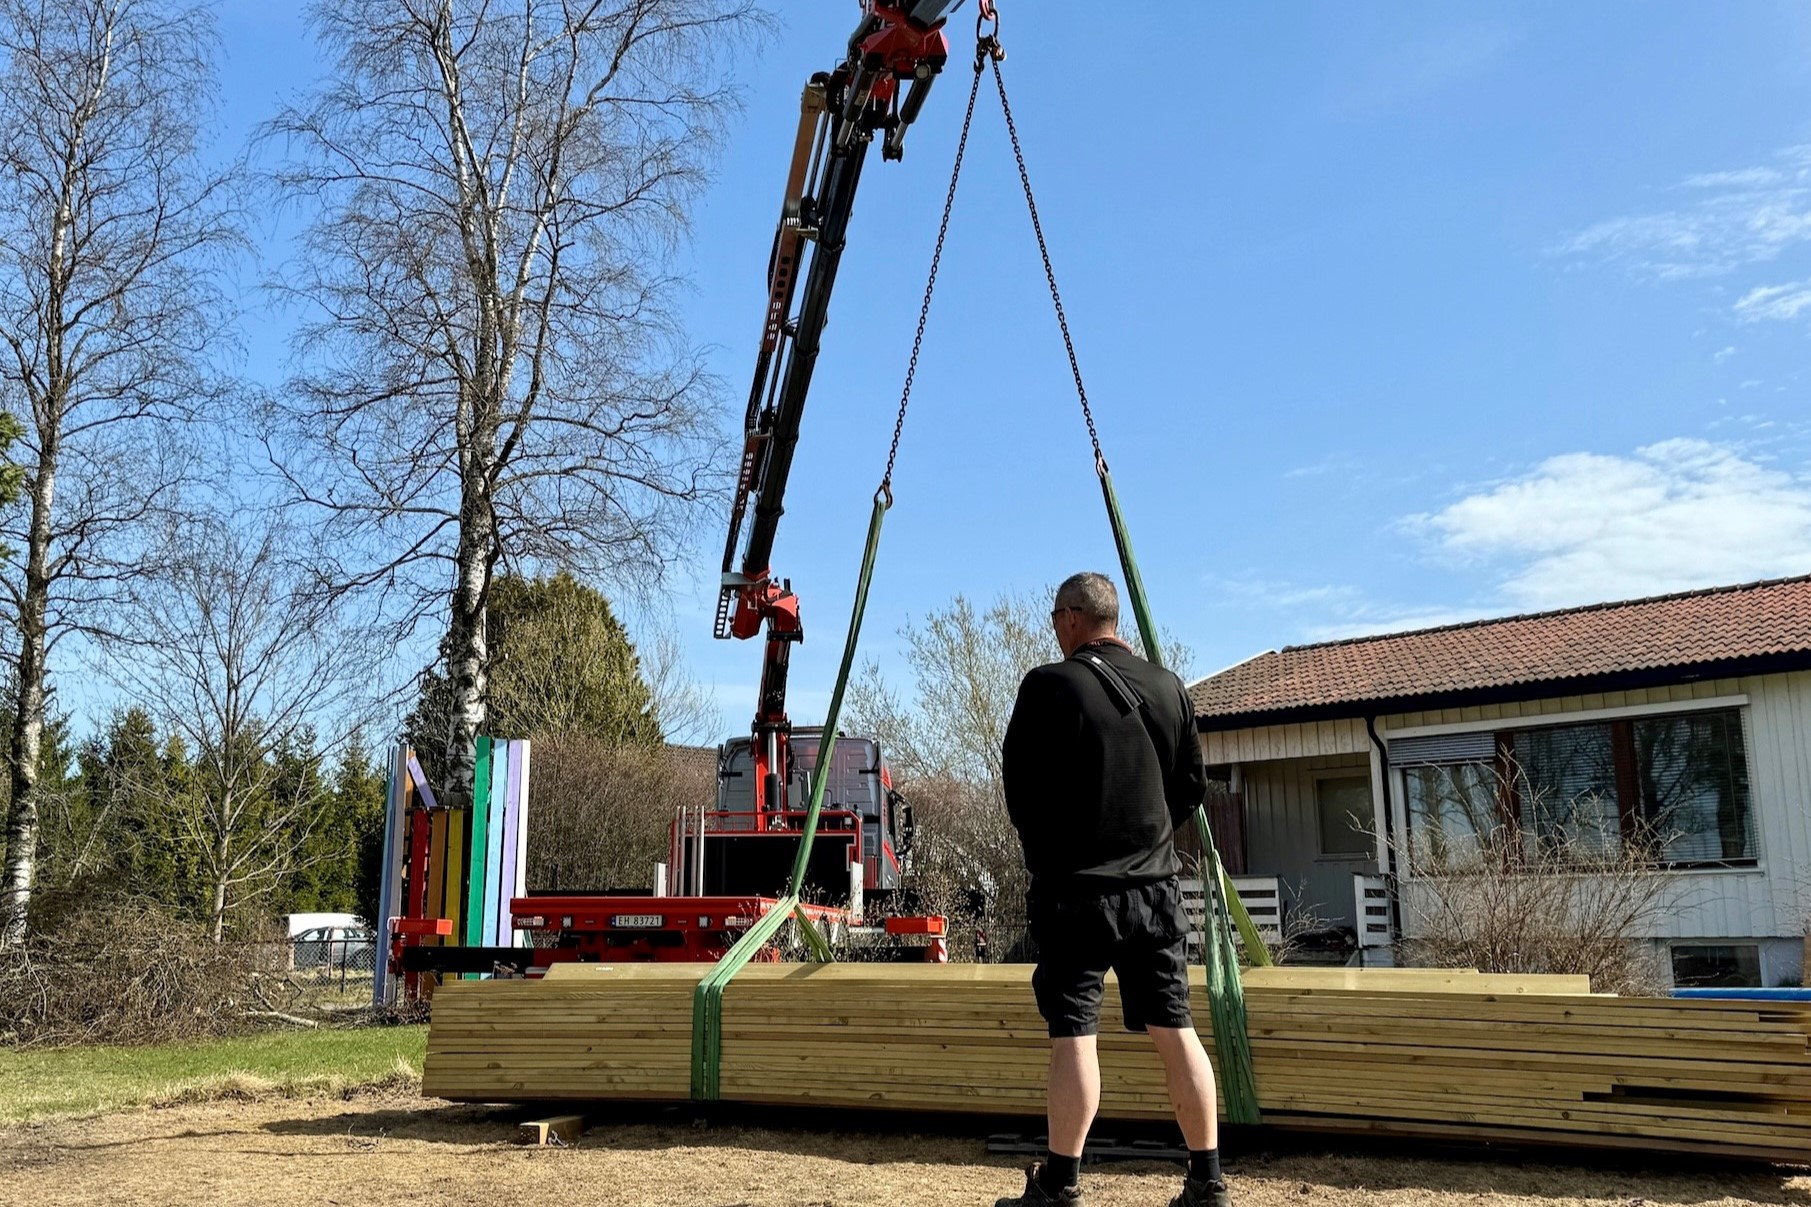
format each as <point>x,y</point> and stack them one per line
<point>1276,766</point>
<point>1307,740</point>
<point>1773,900</point>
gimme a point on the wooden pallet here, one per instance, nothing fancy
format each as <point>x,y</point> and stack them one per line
<point>1448,1054</point>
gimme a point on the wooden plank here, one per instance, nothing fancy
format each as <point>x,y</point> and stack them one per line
<point>457,862</point>
<point>1409,1050</point>
<point>494,889</point>
<point>519,764</point>
<point>1411,979</point>
<point>436,877</point>
<point>478,828</point>
<point>389,890</point>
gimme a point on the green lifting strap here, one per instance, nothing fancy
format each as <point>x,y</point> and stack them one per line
<point>707,1002</point>
<point>1255,949</point>
<point>707,999</point>
<point>827,745</point>
<point>1225,990</point>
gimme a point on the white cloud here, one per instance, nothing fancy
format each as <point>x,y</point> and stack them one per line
<point>1741,178</point>
<point>1587,527</point>
<point>1331,611</point>
<point>1776,302</point>
<point>1734,218</point>
<point>1723,354</point>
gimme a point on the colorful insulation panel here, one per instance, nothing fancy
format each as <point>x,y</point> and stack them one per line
<point>452,860</point>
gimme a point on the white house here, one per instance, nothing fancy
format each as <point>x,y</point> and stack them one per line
<point>1684,715</point>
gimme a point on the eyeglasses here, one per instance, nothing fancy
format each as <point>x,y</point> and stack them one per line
<point>1055,612</point>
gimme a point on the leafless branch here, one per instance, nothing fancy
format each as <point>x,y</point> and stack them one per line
<point>491,371</point>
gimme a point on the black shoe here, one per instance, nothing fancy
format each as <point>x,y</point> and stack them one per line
<point>1036,1196</point>
<point>1199,1192</point>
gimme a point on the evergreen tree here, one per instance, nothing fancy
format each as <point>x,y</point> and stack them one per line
<point>343,848</point>
<point>561,665</point>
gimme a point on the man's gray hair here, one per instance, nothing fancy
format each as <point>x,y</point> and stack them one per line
<point>1091,594</point>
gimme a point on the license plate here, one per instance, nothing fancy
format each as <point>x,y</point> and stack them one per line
<point>637,921</point>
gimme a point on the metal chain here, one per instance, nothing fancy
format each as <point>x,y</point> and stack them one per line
<point>1056,298</point>
<point>982,51</point>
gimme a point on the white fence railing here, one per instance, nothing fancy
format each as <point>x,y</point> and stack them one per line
<point>1371,900</point>
<point>1262,896</point>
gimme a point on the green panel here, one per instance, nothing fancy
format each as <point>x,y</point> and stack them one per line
<point>480,827</point>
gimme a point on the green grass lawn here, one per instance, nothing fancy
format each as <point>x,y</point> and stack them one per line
<point>76,1081</point>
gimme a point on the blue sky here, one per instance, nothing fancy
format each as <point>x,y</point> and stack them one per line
<point>1391,315</point>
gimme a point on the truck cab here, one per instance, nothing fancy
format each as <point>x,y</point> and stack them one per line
<point>864,823</point>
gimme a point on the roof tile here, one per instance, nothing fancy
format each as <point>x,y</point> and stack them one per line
<point>1754,620</point>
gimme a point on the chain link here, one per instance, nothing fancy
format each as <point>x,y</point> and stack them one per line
<point>930,285</point>
<point>1056,298</point>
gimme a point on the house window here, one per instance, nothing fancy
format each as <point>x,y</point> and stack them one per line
<point>1732,966</point>
<point>1344,806</point>
<point>1694,787</point>
<point>1675,785</point>
<point>1672,787</point>
<point>1453,813</point>
<point>1566,791</point>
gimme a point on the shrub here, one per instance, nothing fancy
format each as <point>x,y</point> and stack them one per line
<point>125,973</point>
<point>600,811</point>
<point>1552,907</point>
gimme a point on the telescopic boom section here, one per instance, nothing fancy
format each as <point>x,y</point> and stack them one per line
<point>893,57</point>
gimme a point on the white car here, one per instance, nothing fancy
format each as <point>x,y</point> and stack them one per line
<point>331,941</point>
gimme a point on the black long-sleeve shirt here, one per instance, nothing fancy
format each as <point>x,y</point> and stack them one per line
<point>1095,791</point>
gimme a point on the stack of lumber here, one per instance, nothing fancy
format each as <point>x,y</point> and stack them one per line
<point>627,1036</point>
<point>1430,1053</point>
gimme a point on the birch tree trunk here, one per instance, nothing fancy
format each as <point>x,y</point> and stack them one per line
<point>28,717</point>
<point>110,233</point>
<point>468,647</point>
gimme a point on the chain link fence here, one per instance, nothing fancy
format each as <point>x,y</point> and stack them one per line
<point>314,977</point>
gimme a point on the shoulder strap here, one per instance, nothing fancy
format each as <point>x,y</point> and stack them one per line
<point>1125,697</point>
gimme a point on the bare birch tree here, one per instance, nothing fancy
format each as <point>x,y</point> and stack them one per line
<point>231,650</point>
<point>491,371</point>
<point>109,228</point>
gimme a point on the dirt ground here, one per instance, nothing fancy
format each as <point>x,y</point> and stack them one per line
<point>394,1149</point>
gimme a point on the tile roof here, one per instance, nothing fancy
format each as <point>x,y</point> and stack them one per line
<point>699,759</point>
<point>1753,624</point>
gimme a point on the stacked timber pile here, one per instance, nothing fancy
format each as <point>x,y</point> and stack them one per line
<point>1447,1054</point>
<point>627,1036</point>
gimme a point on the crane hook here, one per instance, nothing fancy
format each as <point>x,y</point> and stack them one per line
<point>987,41</point>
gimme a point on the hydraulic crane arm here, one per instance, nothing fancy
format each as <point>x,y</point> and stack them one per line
<point>894,55</point>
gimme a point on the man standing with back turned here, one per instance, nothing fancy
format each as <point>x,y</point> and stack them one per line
<point>1101,763</point>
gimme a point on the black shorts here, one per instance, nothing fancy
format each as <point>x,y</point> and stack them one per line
<point>1139,932</point>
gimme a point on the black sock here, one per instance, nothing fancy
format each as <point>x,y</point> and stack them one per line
<point>1204,1164</point>
<point>1059,1172</point>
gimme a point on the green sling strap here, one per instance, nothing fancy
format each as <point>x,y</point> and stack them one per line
<point>707,999</point>
<point>1225,991</point>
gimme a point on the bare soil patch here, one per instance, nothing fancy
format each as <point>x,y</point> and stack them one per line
<point>394,1148</point>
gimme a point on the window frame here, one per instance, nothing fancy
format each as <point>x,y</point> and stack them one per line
<point>1369,854</point>
<point>1504,727</point>
<point>1706,945</point>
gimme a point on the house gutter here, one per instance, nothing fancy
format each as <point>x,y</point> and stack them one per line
<point>1389,821</point>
